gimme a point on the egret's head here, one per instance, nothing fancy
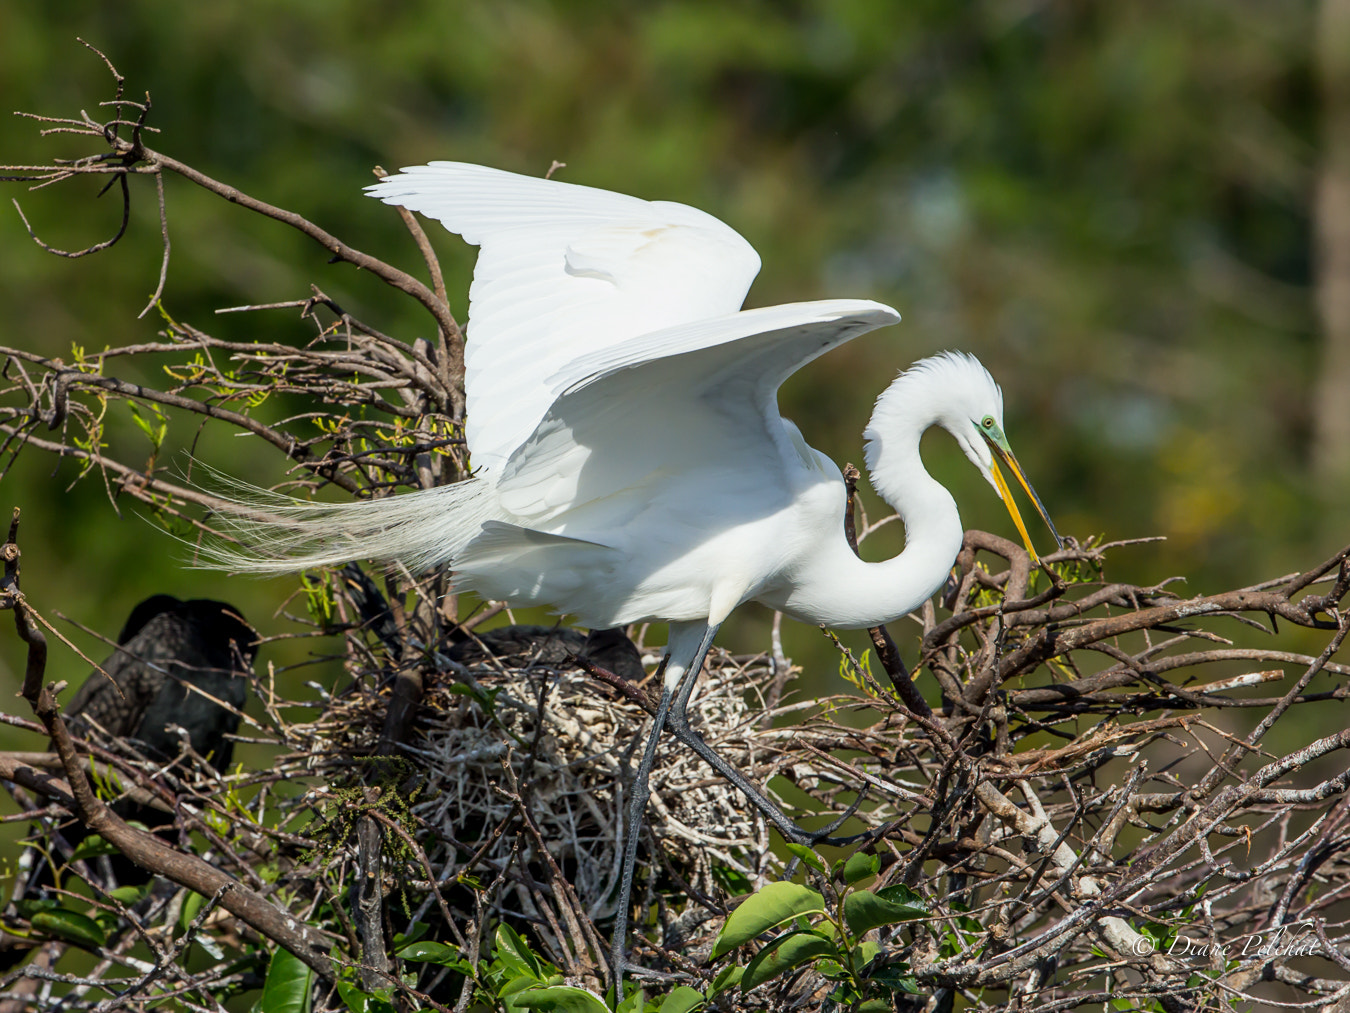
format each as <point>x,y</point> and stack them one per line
<point>955,391</point>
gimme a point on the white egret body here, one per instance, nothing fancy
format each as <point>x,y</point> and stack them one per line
<point>630,461</point>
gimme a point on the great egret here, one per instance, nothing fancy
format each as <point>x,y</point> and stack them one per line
<point>631,463</point>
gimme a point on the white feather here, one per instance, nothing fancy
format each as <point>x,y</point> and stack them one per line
<point>564,271</point>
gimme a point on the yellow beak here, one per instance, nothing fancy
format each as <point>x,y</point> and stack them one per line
<point>1005,494</point>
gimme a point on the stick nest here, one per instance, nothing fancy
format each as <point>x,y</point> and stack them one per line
<point>491,735</point>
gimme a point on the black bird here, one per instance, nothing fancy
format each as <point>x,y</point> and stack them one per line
<point>167,651</point>
<point>174,661</point>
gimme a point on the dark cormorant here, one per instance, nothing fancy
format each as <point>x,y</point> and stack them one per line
<point>177,662</point>
<point>183,663</point>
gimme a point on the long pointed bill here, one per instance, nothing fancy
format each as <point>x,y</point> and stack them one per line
<point>1005,494</point>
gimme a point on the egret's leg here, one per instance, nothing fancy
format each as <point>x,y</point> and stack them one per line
<point>678,722</point>
<point>688,644</point>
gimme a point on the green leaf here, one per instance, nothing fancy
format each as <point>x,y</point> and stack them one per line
<point>808,857</point>
<point>431,953</point>
<point>28,908</point>
<point>567,998</point>
<point>520,981</point>
<point>860,866</point>
<point>93,846</point>
<point>634,1002</point>
<point>775,904</point>
<point>192,903</point>
<point>288,984</point>
<point>902,894</point>
<point>71,926</point>
<point>358,1000</point>
<point>130,895</point>
<point>733,881</point>
<point>728,977</point>
<point>785,953</point>
<point>866,953</point>
<point>895,979</point>
<point>415,932</point>
<point>875,1006</point>
<point>513,952</point>
<point>682,1000</point>
<point>153,430</point>
<point>831,969</point>
<point>864,910</point>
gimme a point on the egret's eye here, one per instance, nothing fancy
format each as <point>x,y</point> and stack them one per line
<point>988,422</point>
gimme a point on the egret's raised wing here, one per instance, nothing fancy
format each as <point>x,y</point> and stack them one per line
<point>565,271</point>
<point>689,401</point>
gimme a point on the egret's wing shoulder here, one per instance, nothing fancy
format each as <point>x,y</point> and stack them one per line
<point>686,401</point>
<point>565,271</point>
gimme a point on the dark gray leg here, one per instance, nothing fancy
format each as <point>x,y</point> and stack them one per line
<point>638,805</point>
<point>672,713</point>
<point>678,723</point>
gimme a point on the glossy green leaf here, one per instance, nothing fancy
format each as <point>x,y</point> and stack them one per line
<point>358,1000</point>
<point>860,866</point>
<point>785,953</point>
<point>415,932</point>
<point>895,979</point>
<point>728,977</point>
<point>902,894</point>
<point>565,998</point>
<point>633,1002</point>
<point>353,997</point>
<point>28,908</point>
<point>93,846</point>
<point>519,981</point>
<point>682,1000</point>
<point>516,954</point>
<point>831,969</point>
<point>192,903</point>
<point>71,926</point>
<point>288,984</point>
<point>775,904</point>
<point>865,910</point>
<point>431,952</point>
<point>130,895</point>
<point>809,858</point>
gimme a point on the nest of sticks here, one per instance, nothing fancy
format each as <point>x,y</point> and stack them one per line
<point>492,738</point>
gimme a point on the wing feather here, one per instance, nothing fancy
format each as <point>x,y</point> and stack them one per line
<point>690,401</point>
<point>565,271</point>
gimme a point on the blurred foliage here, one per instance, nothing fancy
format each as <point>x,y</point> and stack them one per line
<point>1107,203</point>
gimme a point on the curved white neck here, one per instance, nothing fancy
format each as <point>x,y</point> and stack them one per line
<point>846,592</point>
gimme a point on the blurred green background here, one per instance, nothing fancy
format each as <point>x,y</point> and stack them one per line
<point>1110,204</point>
